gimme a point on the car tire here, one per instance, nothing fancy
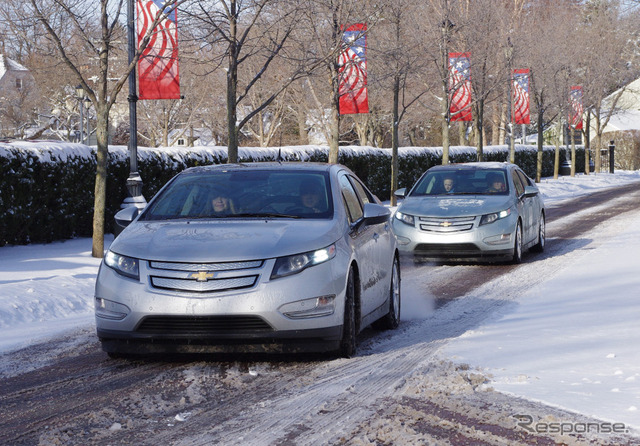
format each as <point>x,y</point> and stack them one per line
<point>517,245</point>
<point>391,320</point>
<point>539,247</point>
<point>348,341</point>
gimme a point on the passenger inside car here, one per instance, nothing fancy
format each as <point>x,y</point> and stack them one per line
<point>449,185</point>
<point>218,204</point>
<point>495,183</point>
<point>311,197</point>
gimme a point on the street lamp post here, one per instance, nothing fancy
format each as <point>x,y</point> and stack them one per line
<point>87,106</point>
<point>134,182</point>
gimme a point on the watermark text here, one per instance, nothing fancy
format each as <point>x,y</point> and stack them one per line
<point>527,423</point>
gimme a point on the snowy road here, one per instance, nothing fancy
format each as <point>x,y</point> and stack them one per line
<point>398,390</point>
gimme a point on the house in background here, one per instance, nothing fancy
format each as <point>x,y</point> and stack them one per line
<point>18,98</point>
<point>624,127</point>
<point>191,137</point>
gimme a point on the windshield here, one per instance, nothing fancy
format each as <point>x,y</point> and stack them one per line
<point>244,194</point>
<point>462,182</point>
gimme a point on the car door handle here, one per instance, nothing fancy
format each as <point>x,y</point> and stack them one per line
<point>376,236</point>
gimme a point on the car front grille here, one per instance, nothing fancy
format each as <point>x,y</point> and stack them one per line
<point>448,250</point>
<point>202,325</point>
<point>204,277</point>
<point>446,225</point>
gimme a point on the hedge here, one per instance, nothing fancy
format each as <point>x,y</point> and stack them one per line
<point>46,188</point>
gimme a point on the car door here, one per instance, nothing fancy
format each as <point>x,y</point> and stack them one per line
<point>529,227</point>
<point>382,251</point>
<point>363,243</point>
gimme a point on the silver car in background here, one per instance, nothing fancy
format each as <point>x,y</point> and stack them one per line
<point>478,211</point>
<point>262,257</point>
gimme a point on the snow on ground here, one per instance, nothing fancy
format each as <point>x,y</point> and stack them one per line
<point>572,341</point>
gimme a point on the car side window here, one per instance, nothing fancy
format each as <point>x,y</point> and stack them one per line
<point>364,195</point>
<point>526,181</point>
<point>354,208</point>
<point>517,182</point>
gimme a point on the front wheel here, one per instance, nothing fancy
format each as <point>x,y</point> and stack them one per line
<point>391,320</point>
<point>348,341</point>
<point>539,247</point>
<point>517,245</point>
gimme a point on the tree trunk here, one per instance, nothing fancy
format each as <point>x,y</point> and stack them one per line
<point>232,86</point>
<point>573,152</point>
<point>394,138</point>
<point>100,190</point>
<point>478,126</point>
<point>598,160</point>
<point>540,143</point>
<point>556,161</point>
<point>587,149</point>
<point>334,130</point>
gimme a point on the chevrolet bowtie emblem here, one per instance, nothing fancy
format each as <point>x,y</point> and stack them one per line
<point>202,276</point>
<point>445,224</point>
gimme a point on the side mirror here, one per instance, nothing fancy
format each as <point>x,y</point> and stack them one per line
<point>530,191</point>
<point>376,213</point>
<point>401,193</point>
<point>124,217</point>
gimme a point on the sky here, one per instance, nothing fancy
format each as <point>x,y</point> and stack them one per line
<point>571,341</point>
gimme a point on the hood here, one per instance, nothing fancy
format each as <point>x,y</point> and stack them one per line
<point>222,241</point>
<point>455,206</point>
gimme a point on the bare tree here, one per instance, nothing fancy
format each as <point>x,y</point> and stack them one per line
<point>606,62</point>
<point>239,32</point>
<point>550,71</point>
<point>97,35</point>
<point>484,27</point>
<point>402,57</point>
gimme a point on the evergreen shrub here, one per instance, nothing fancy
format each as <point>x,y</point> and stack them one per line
<point>47,188</point>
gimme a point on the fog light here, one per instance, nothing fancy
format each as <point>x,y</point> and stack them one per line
<point>498,239</point>
<point>403,240</point>
<point>108,309</point>
<point>308,308</point>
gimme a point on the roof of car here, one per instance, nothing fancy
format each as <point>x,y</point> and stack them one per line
<point>307,166</point>
<point>472,166</point>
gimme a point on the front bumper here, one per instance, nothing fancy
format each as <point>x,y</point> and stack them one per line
<point>492,241</point>
<point>135,316</point>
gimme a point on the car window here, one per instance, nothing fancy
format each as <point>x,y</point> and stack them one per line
<point>517,182</point>
<point>363,193</point>
<point>244,194</point>
<point>351,201</point>
<point>462,182</point>
<point>526,181</point>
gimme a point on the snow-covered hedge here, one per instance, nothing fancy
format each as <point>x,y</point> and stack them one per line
<point>46,187</point>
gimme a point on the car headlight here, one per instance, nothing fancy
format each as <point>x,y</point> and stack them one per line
<point>406,218</point>
<point>285,266</point>
<point>127,266</point>
<point>494,216</point>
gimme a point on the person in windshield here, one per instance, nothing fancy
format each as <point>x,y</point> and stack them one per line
<point>311,195</point>
<point>219,204</point>
<point>496,183</point>
<point>449,184</point>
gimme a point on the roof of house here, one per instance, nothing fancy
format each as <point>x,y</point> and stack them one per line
<point>7,64</point>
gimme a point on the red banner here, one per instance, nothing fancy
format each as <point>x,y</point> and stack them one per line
<point>352,66</point>
<point>158,76</point>
<point>521,97</point>
<point>459,87</point>
<point>576,110</point>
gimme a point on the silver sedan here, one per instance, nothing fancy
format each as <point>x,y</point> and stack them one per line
<point>250,257</point>
<point>478,211</point>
